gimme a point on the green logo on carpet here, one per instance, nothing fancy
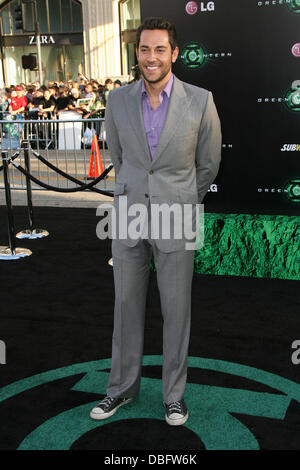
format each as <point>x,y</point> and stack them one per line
<point>213,410</point>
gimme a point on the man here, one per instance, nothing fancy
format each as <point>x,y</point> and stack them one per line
<point>88,92</point>
<point>117,83</point>
<point>63,100</point>
<point>18,103</point>
<point>82,81</point>
<point>108,86</point>
<point>73,99</point>
<point>54,91</point>
<point>16,109</point>
<point>47,105</point>
<point>73,104</point>
<point>33,106</point>
<point>164,139</point>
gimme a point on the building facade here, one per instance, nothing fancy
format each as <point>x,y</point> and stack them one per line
<point>95,38</point>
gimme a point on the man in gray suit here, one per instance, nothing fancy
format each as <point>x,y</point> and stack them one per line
<point>164,139</point>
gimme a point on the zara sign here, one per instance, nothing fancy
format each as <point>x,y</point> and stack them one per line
<point>68,39</point>
<point>43,38</point>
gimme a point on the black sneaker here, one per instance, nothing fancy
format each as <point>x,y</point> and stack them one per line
<point>176,413</point>
<point>107,407</point>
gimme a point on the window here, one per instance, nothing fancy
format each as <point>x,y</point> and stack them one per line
<point>54,16</point>
<point>130,11</point>
<point>130,20</point>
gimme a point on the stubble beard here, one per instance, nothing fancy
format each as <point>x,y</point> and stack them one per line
<point>157,80</point>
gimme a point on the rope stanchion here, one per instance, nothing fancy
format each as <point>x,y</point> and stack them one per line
<point>13,157</point>
<point>82,187</point>
<point>71,178</point>
<point>10,252</point>
<point>32,233</point>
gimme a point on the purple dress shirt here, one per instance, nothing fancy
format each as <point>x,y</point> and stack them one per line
<point>154,120</point>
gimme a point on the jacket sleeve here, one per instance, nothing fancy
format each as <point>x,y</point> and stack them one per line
<point>112,136</point>
<point>208,152</point>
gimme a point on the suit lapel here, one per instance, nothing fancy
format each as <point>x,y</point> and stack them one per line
<point>135,116</point>
<point>178,106</point>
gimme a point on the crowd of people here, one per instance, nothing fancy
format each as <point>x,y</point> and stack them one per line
<point>34,101</point>
<point>84,97</point>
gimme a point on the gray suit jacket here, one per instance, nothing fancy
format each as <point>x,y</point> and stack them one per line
<point>187,158</point>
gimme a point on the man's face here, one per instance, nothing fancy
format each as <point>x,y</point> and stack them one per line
<point>19,93</point>
<point>155,56</point>
<point>47,95</point>
<point>88,89</point>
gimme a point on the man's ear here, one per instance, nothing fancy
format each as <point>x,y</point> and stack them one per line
<point>175,54</point>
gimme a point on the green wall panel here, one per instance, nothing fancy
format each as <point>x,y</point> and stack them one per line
<point>250,245</point>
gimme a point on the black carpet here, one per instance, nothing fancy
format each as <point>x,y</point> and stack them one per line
<point>57,310</point>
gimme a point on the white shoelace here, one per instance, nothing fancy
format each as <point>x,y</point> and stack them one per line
<point>175,407</point>
<point>106,402</point>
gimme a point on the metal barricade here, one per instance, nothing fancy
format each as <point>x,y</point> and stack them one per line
<point>65,142</point>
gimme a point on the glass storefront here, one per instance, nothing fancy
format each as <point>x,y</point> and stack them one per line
<point>131,14</point>
<point>54,16</point>
<point>130,19</point>
<point>62,52</point>
<point>58,63</point>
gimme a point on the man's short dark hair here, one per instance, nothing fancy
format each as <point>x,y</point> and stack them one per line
<point>158,23</point>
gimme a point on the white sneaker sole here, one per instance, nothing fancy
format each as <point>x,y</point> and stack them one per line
<point>95,415</point>
<point>177,422</point>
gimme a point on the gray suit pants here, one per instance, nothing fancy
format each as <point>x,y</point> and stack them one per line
<point>131,275</point>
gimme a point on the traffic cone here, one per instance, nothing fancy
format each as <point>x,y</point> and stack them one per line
<point>96,165</point>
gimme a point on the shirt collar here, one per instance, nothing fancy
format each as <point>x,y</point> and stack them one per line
<point>167,89</point>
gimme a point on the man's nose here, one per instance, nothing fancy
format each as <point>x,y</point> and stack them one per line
<point>151,56</point>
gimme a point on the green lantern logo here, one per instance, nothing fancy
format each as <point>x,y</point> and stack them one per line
<point>214,410</point>
<point>293,97</point>
<point>193,56</point>
<point>292,190</point>
<point>294,6</point>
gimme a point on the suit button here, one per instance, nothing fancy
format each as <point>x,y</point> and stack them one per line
<point>146,195</point>
<point>151,172</point>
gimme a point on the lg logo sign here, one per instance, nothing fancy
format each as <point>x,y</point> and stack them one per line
<point>192,7</point>
<point>296,49</point>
